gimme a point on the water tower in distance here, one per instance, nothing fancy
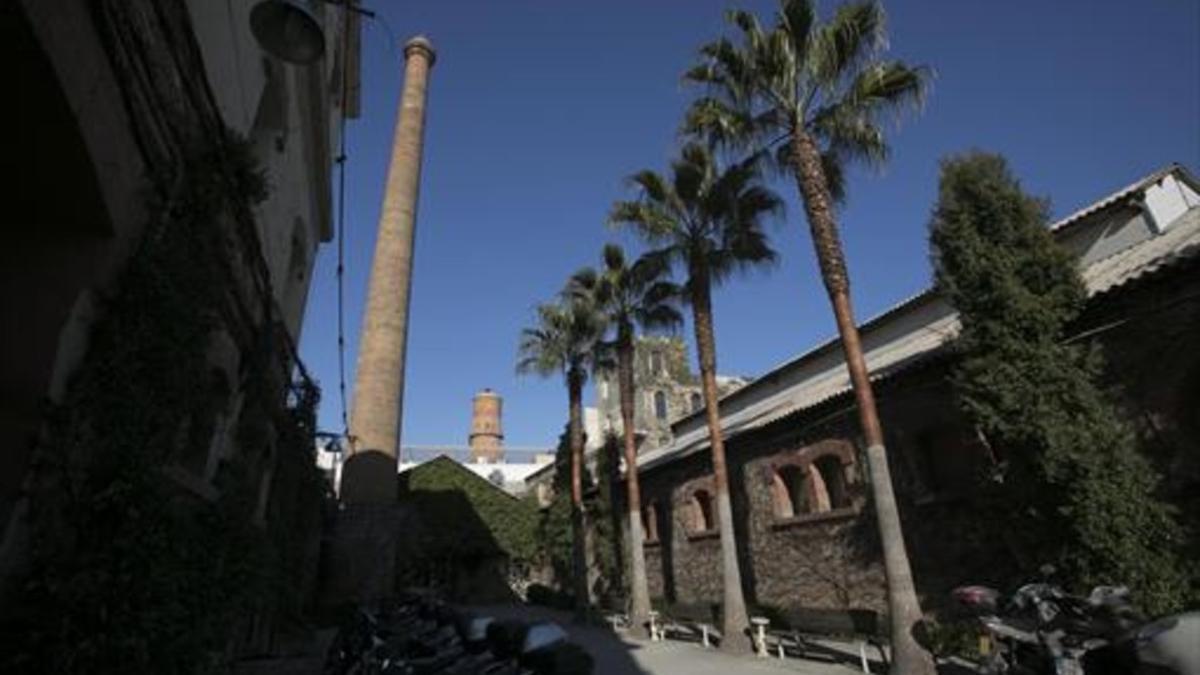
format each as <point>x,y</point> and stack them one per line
<point>486,439</point>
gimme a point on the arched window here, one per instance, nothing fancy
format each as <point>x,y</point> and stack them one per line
<point>791,493</point>
<point>828,484</point>
<point>702,512</point>
<point>650,523</point>
<point>660,405</point>
<point>696,402</point>
<point>656,363</point>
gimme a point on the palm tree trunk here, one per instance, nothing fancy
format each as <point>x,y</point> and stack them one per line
<point>903,609</point>
<point>733,606</point>
<point>639,610</point>
<point>579,549</point>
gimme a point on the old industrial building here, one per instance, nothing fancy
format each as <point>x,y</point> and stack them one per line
<point>667,390</point>
<point>173,183</point>
<point>803,525</point>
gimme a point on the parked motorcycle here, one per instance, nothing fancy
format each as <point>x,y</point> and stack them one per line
<point>418,635</point>
<point>1041,629</point>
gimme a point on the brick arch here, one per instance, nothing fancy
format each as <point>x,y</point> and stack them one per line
<point>812,479</point>
<point>650,522</point>
<point>690,503</point>
<point>789,493</point>
<point>702,510</point>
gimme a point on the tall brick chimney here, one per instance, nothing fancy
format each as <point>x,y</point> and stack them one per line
<point>379,388</point>
<point>486,439</point>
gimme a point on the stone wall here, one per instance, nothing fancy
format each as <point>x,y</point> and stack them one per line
<point>829,555</point>
<point>832,558</point>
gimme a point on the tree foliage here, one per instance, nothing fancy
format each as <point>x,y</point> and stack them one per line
<point>601,501</point>
<point>1072,482</point>
<point>801,76</point>
<point>702,218</point>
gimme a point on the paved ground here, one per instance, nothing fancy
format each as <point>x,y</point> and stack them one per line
<point>619,655</point>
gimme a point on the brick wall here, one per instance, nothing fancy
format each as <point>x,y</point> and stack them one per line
<point>827,556</point>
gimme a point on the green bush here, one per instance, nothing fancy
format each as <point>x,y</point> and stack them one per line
<point>1072,487</point>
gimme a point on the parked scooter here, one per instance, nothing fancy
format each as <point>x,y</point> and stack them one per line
<point>418,635</point>
<point>1041,629</point>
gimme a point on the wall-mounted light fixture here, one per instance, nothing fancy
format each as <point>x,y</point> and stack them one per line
<point>288,30</point>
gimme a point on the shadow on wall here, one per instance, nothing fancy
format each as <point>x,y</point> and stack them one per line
<point>666,538</point>
<point>450,549</point>
<point>468,538</point>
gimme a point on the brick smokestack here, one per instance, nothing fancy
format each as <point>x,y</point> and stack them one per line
<point>379,388</point>
<point>486,439</point>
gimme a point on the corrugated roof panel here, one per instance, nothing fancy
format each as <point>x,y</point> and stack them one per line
<point>1181,239</point>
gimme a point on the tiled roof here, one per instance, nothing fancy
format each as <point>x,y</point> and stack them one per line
<point>1179,241</point>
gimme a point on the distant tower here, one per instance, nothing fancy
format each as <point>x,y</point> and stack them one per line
<point>370,473</point>
<point>486,439</point>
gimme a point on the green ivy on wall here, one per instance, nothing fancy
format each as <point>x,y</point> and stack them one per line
<point>464,516</point>
<point>130,571</point>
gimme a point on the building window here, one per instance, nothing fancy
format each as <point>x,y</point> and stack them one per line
<point>696,402</point>
<point>656,365</point>
<point>790,492</point>
<point>702,512</point>
<point>650,523</point>
<point>202,428</point>
<point>660,405</point>
<point>828,485</point>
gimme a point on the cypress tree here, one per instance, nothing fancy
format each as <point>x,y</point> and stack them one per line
<point>1070,480</point>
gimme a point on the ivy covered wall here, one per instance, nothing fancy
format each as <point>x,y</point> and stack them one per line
<point>471,538</point>
<point>173,505</point>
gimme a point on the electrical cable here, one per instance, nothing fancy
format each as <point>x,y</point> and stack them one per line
<point>341,224</point>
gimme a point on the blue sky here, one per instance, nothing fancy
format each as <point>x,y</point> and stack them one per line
<point>539,110</point>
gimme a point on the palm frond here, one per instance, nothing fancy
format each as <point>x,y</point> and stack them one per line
<point>855,33</point>
<point>888,87</point>
<point>651,221</point>
<point>797,18</point>
<point>614,257</point>
<point>652,184</point>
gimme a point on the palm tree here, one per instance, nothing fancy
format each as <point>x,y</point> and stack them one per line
<point>814,95</point>
<point>631,296</point>
<point>566,341</point>
<point>709,223</point>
